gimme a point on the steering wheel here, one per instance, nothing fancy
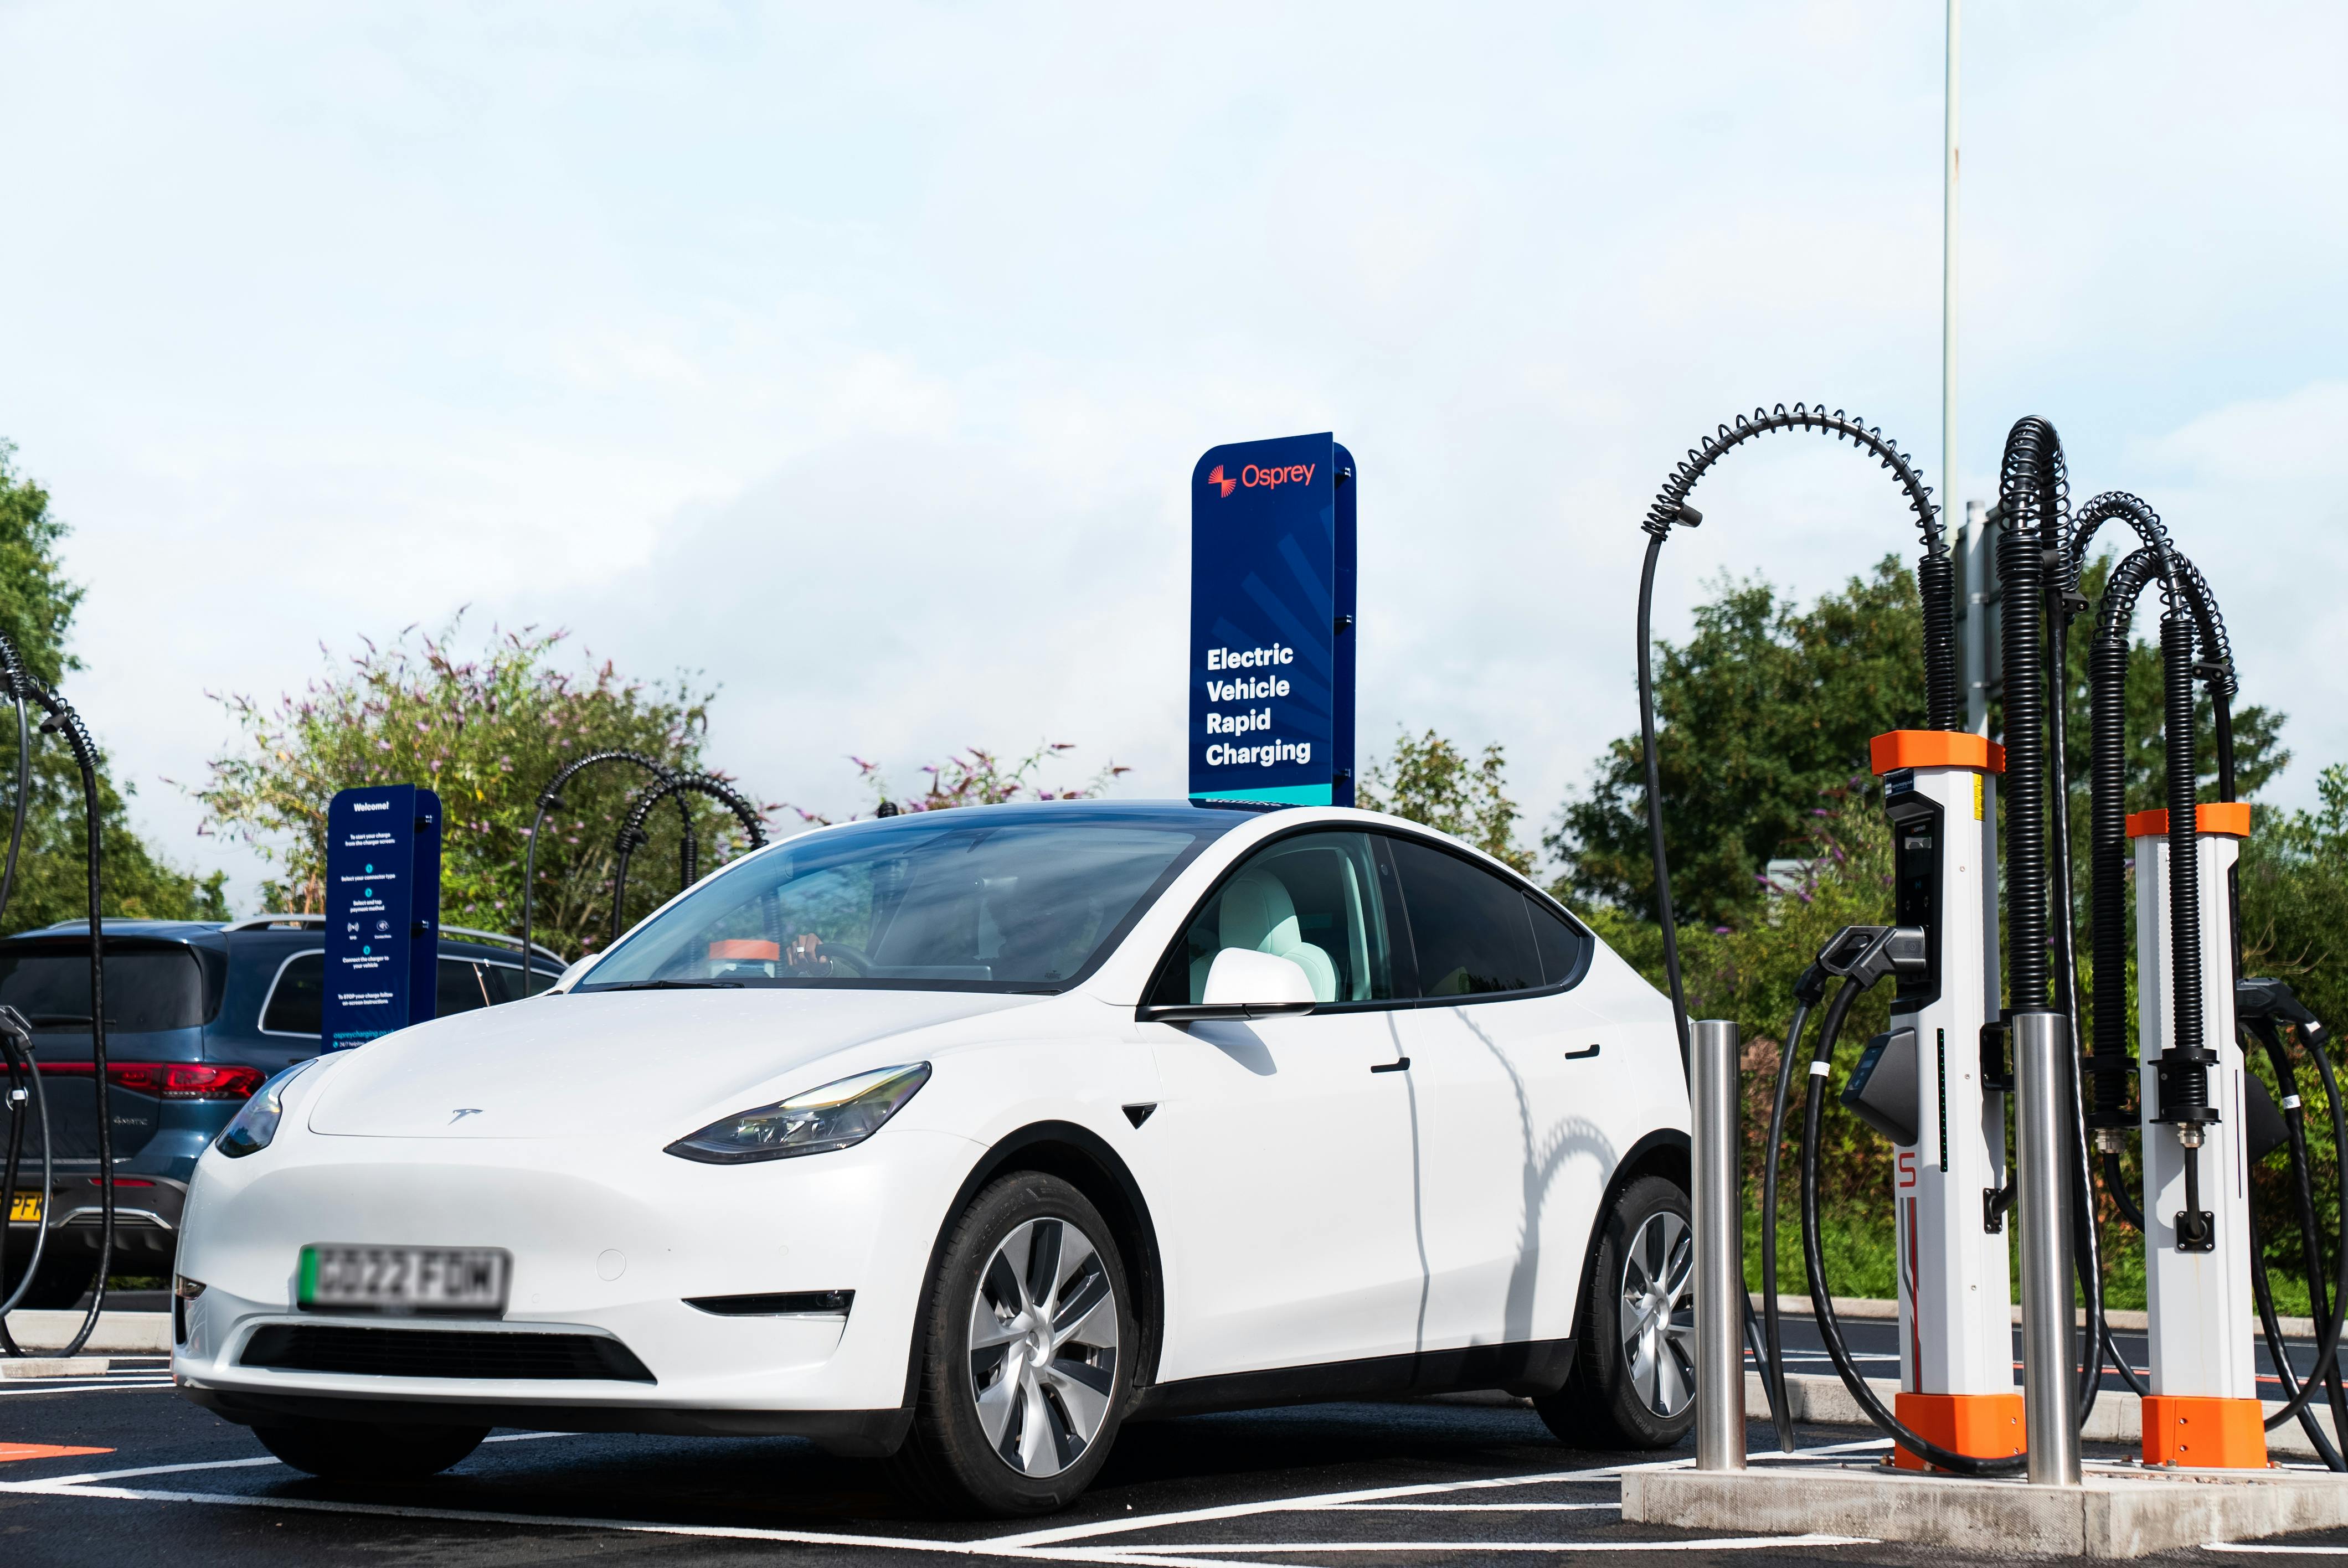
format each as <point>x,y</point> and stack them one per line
<point>826,954</point>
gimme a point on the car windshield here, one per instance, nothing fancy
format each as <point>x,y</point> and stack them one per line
<point>968,900</point>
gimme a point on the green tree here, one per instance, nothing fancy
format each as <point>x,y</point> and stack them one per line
<point>1428,778</point>
<point>36,611</point>
<point>486,733</point>
<point>1770,707</point>
<point>1764,711</point>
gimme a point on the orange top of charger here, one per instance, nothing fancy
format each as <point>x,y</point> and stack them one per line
<point>2230,817</point>
<point>1934,749</point>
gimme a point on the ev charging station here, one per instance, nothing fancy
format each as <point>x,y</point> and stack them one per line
<point>383,912</point>
<point>2203,1407</point>
<point>1923,1084</point>
<point>1966,1045</point>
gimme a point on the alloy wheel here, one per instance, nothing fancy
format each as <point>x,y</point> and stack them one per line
<point>1658,1314</point>
<point>1043,1346</point>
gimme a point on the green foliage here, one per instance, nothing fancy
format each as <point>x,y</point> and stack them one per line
<point>1766,709</point>
<point>1428,778</point>
<point>486,733</point>
<point>36,611</point>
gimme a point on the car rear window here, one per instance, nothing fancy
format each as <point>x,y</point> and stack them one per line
<point>148,988</point>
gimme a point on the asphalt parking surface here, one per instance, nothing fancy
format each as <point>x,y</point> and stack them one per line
<point>1316,1487</point>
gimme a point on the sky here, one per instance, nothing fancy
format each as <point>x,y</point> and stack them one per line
<point>856,358</point>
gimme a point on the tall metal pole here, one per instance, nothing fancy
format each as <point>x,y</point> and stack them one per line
<point>1719,1248</point>
<point>2043,1114</point>
<point>1949,280</point>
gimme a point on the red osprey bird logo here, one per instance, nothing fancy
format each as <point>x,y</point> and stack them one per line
<point>1226,486</point>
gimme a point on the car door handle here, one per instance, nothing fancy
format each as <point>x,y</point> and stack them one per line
<point>1399,1064</point>
<point>1582,1055</point>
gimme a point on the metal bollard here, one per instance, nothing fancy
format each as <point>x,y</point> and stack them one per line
<point>1719,1249</point>
<point>2043,1114</point>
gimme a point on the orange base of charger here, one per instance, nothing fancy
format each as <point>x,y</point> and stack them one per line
<point>1986,1425</point>
<point>2206,1433</point>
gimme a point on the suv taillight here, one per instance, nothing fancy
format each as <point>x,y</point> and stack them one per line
<point>170,1080</point>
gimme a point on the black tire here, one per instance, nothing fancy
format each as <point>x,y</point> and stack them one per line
<point>1041,1459</point>
<point>1634,1382</point>
<point>369,1450</point>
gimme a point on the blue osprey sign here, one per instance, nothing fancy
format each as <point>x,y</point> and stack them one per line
<point>1271,622</point>
<point>383,912</point>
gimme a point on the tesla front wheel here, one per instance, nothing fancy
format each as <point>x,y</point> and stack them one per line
<point>1633,1383</point>
<point>1026,1353</point>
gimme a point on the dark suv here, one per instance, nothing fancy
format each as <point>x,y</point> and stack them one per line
<point>198,1016</point>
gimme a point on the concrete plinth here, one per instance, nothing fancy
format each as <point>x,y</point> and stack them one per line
<point>2116,1513</point>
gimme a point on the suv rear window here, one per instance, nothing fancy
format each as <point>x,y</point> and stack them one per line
<point>147,988</point>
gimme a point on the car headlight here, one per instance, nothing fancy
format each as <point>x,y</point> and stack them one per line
<point>832,1117</point>
<point>255,1123</point>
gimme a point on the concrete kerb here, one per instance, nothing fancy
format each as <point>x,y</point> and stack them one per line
<point>2116,1513</point>
<point>118,1333</point>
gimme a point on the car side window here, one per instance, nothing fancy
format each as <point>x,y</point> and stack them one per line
<point>1312,899</point>
<point>1473,932</point>
<point>465,985</point>
<point>298,1000</point>
<point>1564,946</point>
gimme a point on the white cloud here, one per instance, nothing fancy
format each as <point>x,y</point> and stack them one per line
<point>858,357</point>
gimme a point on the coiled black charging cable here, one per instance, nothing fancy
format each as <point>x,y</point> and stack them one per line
<point>1935,578</point>
<point>62,719</point>
<point>632,830</point>
<point>551,799</point>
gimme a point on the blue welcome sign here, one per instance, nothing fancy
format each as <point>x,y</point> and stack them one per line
<point>383,912</point>
<point>1271,622</point>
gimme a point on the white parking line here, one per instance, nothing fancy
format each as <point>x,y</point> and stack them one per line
<point>2265,1550</point>
<point>1066,1543</point>
<point>1723,1544</point>
<point>1067,1533</point>
<point>83,1388</point>
<point>1466,1507</point>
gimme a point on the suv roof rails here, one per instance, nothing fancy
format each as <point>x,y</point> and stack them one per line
<point>269,922</point>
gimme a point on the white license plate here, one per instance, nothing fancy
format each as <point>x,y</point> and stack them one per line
<point>469,1280</point>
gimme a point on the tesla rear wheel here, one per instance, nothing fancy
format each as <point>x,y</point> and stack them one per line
<point>369,1450</point>
<point>1025,1367</point>
<point>1633,1383</point>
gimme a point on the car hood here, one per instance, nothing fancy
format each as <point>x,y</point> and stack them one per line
<point>612,1061</point>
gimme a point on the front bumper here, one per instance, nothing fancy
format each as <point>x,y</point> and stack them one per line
<point>605,1242</point>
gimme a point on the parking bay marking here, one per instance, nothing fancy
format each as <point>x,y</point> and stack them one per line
<point>1066,1543</point>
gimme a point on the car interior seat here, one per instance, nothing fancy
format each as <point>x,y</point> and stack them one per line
<point>1258,913</point>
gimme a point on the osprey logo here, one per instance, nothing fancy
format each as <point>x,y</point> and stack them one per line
<point>462,1112</point>
<point>1254,477</point>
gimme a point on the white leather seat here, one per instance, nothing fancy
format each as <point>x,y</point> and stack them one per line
<point>1258,913</point>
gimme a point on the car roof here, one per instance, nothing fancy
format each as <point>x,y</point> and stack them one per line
<point>210,933</point>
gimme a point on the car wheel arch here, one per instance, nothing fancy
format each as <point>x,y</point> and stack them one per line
<point>1667,1152</point>
<point>1084,1160</point>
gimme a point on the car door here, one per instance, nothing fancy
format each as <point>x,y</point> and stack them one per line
<point>1511,1092</point>
<point>1281,1145</point>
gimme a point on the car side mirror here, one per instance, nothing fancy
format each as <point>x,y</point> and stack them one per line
<point>1243,984</point>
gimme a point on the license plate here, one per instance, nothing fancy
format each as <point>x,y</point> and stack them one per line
<point>24,1208</point>
<point>467,1280</point>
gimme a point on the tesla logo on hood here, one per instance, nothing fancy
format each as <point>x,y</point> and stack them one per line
<point>463,1111</point>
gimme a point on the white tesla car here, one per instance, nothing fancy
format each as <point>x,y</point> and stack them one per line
<point>963,1137</point>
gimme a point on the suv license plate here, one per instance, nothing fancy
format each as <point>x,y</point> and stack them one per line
<point>23,1208</point>
<point>468,1280</point>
